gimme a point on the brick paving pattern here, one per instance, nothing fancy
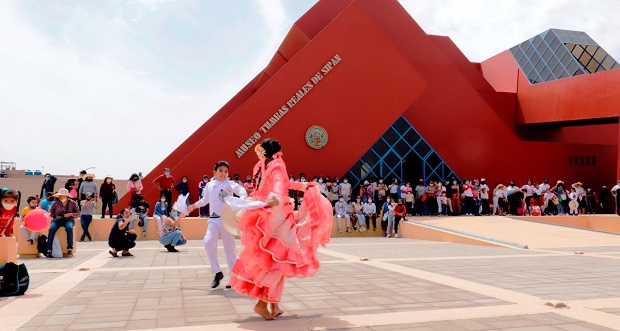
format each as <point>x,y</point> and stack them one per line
<point>405,285</point>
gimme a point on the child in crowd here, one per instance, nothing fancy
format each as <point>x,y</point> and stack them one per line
<point>400,212</point>
<point>484,200</point>
<point>32,205</point>
<point>573,204</point>
<point>551,202</point>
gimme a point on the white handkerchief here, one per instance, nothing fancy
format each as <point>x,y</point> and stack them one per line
<point>181,204</point>
<point>237,204</point>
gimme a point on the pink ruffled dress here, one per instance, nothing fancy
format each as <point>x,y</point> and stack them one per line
<point>280,242</point>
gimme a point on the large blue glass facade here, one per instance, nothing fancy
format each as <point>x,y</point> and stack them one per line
<point>557,54</point>
<point>403,154</point>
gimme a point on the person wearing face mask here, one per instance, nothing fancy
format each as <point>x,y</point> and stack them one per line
<point>134,186</point>
<point>204,211</point>
<point>420,198</point>
<point>170,234</point>
<point>8,211</point>
<point>236,180</point>
<point>48,185</point>
<point>325,189</point>
<point>88,185</point>
<point>370,213</point>
<point>335,190</point>
<point>141,209</point>
<point>300,194</point>
<point>32,205</point>
<point>47,202</point>
<point>431,199</point>
<point>121,237</point>
<point>344,189</point>
<point>455,197</point>
<point>183,188</point>
<point>340,209</point>
<point>469,191</point>
<point>249,186</point>
<point>164,183</point>
<point>160,211</point>
<point>381,191</point>
<point>358,211</point>
<point>86,215</point>
<point>387,222</point>
<point>399,214</point>
<point>394,189</point>
<point>63,213</point>
<point>107,193</point>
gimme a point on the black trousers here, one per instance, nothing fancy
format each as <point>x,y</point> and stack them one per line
<point>107,203</point>
<point>373,218</point>
<point>168,194</point>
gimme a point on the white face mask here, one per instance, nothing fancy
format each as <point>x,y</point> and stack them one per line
<point>8,206</point>
<point>163,200</point>
<point>380,180</point>
<point>346,181</point>
<point>63,199</point>
<point>108,181</point>
<point>184,180</point>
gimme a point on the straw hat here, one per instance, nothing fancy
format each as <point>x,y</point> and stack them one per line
<point>88,175</point>
<point>108,176</point>
<point>230,219</point>
<point>62,192</point>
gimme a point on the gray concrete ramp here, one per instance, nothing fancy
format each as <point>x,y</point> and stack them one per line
<point>534,235</point>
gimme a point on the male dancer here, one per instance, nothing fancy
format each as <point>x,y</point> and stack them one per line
<point>213,194</point>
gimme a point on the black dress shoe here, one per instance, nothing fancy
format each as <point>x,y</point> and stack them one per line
<point>171,249</point>
<point>216,280</point>
<point>228,286</point>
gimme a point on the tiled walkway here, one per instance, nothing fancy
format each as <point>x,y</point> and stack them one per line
<point>405,285</point>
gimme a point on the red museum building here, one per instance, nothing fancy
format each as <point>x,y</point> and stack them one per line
<point>357,88</point>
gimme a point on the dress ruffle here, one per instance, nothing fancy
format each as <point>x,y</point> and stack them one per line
<point>278,242</point>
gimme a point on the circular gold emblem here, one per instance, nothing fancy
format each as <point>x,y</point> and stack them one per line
<point>316,137</point>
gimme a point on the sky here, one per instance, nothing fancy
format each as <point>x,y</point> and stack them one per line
<point>119,84</point>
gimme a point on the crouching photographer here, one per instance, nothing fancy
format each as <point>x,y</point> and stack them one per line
<point>63,213</point>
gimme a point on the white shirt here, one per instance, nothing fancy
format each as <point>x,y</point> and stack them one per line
<point>215,192</point>
<point>613,189</point>
<point>544,187</point>
<point>341,208</point>
<point>573,196</point>
<point>370,208</point>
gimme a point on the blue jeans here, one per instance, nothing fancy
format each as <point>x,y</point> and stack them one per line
<point>85,221</point>
<point>173,238</point>
<point>68,225</point>
<point>143,217</point>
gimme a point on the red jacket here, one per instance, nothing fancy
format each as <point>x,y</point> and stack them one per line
<point>400,210</point>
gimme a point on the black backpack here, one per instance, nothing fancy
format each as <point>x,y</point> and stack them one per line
<point>42,244</point>
<point>14,279</point>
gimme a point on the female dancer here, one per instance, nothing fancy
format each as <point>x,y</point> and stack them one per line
<point>278,242</point>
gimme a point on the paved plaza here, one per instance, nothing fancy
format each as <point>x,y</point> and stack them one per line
<point>365,283</point>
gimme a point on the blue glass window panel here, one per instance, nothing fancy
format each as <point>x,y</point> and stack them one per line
<point>422,148</point>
